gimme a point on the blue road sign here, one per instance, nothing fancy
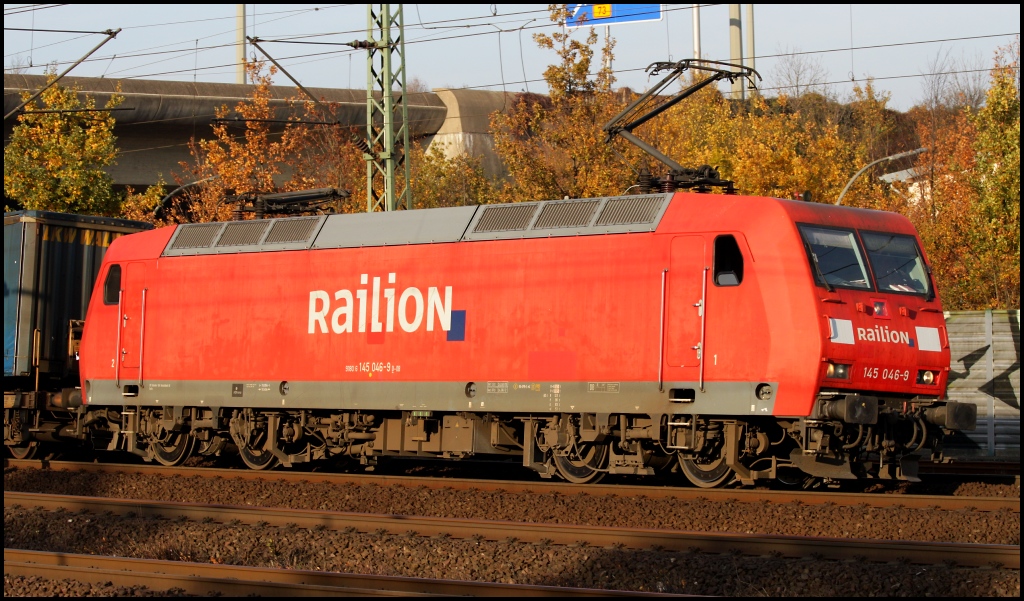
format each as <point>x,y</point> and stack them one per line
<point>586,15</point>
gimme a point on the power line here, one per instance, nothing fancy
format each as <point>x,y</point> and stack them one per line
<point>144,51</point>
<point>893,45</point>
<point>280,12</point>
<point>886,77</point>
<point>17,10</point>
<point>438,39</point>
<point>196,49</point>
<point>511,14</point>
<point>77,37</point>
<point>328,54</point>
<point>50,30</point>
<point>636,69</point>
<point>295,40</point>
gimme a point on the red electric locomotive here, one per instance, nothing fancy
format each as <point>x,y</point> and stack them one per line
<point>734,335</point>
<point>723,336</point>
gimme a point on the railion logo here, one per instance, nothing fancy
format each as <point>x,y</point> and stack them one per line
<point>884,334</point>
<point>412,310</point>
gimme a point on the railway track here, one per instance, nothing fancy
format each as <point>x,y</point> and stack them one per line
<point>944,502</point>
<point>928,553</point>
<point>210,579</point>
<point>972,468</point>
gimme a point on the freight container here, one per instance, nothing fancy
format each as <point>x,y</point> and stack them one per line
<point>50,265</point>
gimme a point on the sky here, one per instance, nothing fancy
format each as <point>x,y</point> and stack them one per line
<point>491,46</point>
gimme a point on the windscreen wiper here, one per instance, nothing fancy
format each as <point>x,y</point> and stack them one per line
<point>817,269</point>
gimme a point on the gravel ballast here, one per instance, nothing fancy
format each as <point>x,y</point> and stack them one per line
<point>34,586</point>
<point>437,557</point>
<point>895,523</point>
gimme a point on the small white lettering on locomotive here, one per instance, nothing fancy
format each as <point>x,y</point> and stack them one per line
<point>896,375</point>
<point>884,334</point>
<point>413,307</point>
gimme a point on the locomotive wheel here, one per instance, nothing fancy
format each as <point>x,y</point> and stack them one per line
<point>250,437</point>
<point>584,465</point>
<point>706,472</point>
<point>257,460</point>
<point>28,450</point>
<point>180,448</point>
<point>792,477</point>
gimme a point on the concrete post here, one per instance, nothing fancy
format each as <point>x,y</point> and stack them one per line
<point>608,36</point>
<point>696,31</point>
<point>748,49</point>
<point>736,47</point>
<point>240,44</point>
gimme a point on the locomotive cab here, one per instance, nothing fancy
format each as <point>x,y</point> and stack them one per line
<point>801,338</point>
<point>885,364</point>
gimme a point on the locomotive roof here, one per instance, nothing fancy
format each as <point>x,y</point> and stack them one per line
<point>647,213</point>
<point>543,219</point>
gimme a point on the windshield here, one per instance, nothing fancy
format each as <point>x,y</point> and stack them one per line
<point>836,257</point>
<point>897,264</point>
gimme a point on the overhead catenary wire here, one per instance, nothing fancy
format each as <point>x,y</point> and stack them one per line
<point>511,14</point>
<point>304,58</point>
<point>111,34</point>
<point>279,12</point>
<point>431,38</point>
<point>328,54</point>
<point>77,37</point>
<point>144,52</point>
<point>28,8</point>
<point>231,44</point>
<point>37,30</point>
<point>635,69</point>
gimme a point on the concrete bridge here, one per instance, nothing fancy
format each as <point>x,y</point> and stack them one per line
<point>153,138</point>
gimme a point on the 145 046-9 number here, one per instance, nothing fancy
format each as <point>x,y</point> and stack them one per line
<point>882,373</point>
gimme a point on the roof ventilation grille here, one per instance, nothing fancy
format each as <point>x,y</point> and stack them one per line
<point>508,218</point>
<point>241,233</point>
<point>576,213</point>
<point>631,210</point>
<point>196,235</point>
<point>285,231</point>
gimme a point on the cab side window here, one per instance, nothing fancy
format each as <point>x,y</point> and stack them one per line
<point>728,262</point>
<point>112,286</point>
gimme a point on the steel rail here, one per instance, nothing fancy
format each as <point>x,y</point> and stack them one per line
<point>208,579</point>
<point>944,502</point>
<point>971,468</point>
<point>930,553</point>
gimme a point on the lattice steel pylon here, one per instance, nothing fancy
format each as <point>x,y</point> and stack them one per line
<point>387,123</point>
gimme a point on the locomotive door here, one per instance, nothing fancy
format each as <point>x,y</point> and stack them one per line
<point>685,306</point>
<point>132,322</point>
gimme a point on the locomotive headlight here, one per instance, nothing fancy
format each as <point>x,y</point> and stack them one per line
<point>837,371</point>
<point>926,377</point>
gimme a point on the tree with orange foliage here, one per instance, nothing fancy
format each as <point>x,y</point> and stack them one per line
<point>325,156</point>
<point>941,203</point>
<point>996,223</point>
<point>245,156</point>
<point>553,147</point>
